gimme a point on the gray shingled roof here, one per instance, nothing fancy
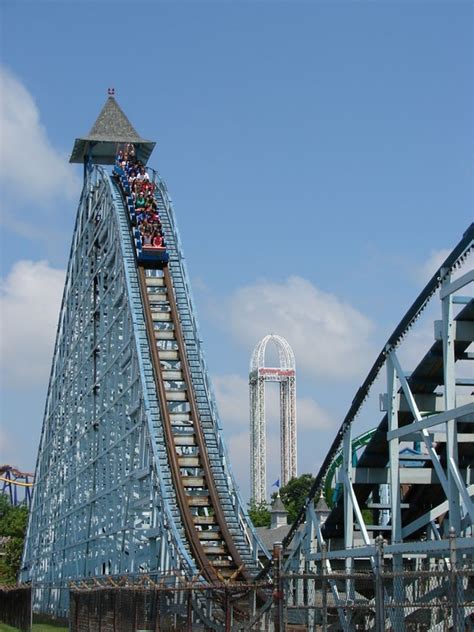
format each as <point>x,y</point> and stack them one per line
<point>269,536</point>
<point>111,128</point>
<point>278,505</point>
<point>321,505</point>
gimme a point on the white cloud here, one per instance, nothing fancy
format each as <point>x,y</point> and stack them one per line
<point>29,230</point>
<point>311,416</point>
<point>30,167</point>
<point>426,270</point>
<point>29,307</point>
<point>330,338</point>
<point>232,395</point>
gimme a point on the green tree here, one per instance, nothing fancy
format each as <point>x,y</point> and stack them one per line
<point>13,521</point>
<point>294,494</point>
<point>259,514</point>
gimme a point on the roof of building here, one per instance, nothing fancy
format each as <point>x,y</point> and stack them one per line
<point>321,505</point>
<point>270,536</point>
<point>111,128</point>
<point>278,505</point>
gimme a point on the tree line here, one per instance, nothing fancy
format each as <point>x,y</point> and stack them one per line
<point>293,496</point>
<point>13,520</point>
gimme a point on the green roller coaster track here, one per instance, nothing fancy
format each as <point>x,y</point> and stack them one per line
<point>359,442</point>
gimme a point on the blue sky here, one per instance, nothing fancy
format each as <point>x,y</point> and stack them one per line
<point>320,160</point>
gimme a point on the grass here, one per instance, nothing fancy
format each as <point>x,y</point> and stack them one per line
<point>37,627</point>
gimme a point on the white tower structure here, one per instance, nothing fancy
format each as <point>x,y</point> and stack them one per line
<point>285,375</point>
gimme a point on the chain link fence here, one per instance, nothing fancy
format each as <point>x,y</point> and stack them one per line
<point>169,603</point>
<point>15,607</point>
<point>417,593</point>
<point>425,591</point>
<point>415,601</point>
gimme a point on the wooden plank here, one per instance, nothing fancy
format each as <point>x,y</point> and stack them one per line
<point>215,550</point>
<point>172,375</point>
<point>161,316</point>
<point>150,281</point>
<point>157,303</point>
<point>199,501</point>
<point>158,297</point>
<point>193,481</point>
<point>204,519</point>
<point>187,439</point>
<point>175,417</point>
<point>164,334</point>
<point>168,355</point>
<point>176,396</point>
<point>189,461</point>
<point>209,535</point>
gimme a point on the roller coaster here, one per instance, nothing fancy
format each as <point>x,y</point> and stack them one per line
<point>133,476</point>
<point>16,485</point>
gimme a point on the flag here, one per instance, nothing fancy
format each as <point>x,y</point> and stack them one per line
<point>276,483</point>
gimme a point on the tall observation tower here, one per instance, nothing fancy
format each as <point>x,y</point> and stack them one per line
<point>285,375</point>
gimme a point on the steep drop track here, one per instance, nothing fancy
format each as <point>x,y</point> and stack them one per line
<point>205,525</point>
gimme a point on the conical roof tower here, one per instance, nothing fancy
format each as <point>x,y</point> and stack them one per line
<point>112,128</point>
